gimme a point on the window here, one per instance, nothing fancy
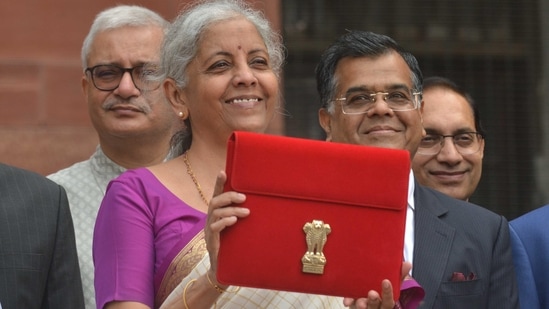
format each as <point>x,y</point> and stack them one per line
<point>489,47</point>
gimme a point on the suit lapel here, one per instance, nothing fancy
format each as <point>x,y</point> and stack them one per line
<point>432,243</point>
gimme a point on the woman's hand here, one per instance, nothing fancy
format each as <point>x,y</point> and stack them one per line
<point>222,213</point>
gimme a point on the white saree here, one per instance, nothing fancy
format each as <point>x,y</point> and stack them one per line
<point>251,298</point>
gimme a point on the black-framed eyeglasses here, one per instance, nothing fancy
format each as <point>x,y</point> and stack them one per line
<point>465,143</point>
<point>107,77</point>
<point>360,102</point>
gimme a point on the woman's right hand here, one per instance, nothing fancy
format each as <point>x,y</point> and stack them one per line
<point>222,212</point>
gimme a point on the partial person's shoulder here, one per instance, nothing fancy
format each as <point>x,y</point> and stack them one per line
<point>135,185</point>
<point>456,208</point>
<point>16,173</point>
<point>536,217</point>
<point>27,181</point>
<point>78,171</point>
<point>134,174</point>
<point>70,172</point>
<point>138,177</point>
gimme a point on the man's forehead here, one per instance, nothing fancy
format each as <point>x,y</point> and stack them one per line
<point>384,87</point>
<point>441,100</point>
<point>443,115</point>
<point>388,71</point>
<point>124,52</point>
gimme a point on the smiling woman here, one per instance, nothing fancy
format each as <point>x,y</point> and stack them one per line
<point>232,65</point>
<point>219,69</point>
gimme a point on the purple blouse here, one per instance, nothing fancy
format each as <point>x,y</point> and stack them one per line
<point>138,224</point>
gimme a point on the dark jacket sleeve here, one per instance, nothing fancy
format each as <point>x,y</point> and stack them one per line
<point>503,288</point>
<point>38,260</point>
<point>64,287</point>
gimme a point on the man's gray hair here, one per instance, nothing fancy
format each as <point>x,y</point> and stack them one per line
<point>118,17</point>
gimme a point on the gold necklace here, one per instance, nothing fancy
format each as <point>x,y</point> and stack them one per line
<point>191,173</point>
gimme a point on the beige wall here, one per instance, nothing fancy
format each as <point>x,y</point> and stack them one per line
<point>44,125</point>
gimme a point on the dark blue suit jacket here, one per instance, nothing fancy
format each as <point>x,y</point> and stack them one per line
<point>38,262</point>
<point>455,236</point>
<point>530,242</point>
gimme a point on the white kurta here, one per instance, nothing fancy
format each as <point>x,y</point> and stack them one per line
<point>85,183</point>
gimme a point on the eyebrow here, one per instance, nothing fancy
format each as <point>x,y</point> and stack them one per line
<point>229,54</point>
<point>133,64</point>
<point>218,53</point>
<point>364,88</point>
<point>458,131</point>
<point>257,51</point>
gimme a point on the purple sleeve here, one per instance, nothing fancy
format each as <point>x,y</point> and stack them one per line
<point>123,245</point>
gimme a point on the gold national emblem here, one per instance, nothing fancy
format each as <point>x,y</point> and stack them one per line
<point>316,235</point>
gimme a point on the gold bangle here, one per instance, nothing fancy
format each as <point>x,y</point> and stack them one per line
<point>215,286</point>
<point>185,293</point>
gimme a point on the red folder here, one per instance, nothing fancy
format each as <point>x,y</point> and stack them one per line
<point>326,218</point>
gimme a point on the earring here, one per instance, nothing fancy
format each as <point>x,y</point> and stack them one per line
<point>180,114</point>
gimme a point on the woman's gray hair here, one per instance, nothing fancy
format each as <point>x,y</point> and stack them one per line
<point>118,17</point>
<point>182,41</point>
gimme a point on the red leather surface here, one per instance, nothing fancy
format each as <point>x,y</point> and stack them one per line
<point>360,191</point>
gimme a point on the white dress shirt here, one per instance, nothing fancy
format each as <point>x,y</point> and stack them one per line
<point>409,230</point>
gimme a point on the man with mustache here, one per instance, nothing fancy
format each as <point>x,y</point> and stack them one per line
<point>133,120</point>
<point>449,157</point>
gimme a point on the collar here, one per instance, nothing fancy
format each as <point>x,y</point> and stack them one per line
<point>411,188</point>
